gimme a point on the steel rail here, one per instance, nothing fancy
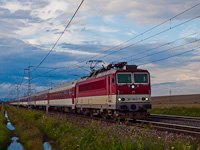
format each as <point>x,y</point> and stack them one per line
<point>186,118</point>
<point>174,127</point>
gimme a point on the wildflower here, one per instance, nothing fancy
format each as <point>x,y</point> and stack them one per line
<point>172,147</point>
<point>159,137</point>
<point>132,142</point>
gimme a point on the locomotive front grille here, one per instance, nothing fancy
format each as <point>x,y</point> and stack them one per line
<point>133,107</point>
<point>124,107</point>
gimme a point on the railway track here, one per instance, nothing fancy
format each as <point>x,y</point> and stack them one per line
<point>171,123</point>
<point>175,128</point>
<point>173,117</point>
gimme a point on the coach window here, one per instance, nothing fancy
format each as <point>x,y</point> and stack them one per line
<point>113,80</point>
<point>109,80</point>
<point>72,93</point>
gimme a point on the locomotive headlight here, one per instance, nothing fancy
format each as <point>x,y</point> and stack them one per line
<point>123,99</point>
<point>119,99</point>
<point>146,98</point>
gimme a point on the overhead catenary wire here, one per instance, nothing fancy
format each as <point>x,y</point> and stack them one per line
<point>143,40</point>
<point>141,34</point>
<point>150,37</point>
<point>170,28</point>
<point>59,36</point>
<point>118,44</point>
<point>42,74</point>
<point>171,48</point>
<point>165,44</point>
<point>169,56</point>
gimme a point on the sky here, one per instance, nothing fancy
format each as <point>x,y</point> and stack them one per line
<point>157,35</point>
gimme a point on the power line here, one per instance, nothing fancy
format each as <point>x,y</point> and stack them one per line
<point>161,46</point>
<point>164,51</point>
<point>122,42</point>
<point>141,34</point>
<point>42,74</point>
<point>143,40</point>
<point>60,36</point>
<point>170,28</point>
<point>170,56</point>
<point>150,37</point>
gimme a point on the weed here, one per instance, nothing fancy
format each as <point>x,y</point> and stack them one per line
<point>5,133</point>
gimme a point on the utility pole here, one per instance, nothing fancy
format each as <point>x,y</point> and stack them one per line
<point>52,84</point>
<point>17,86</point>
<point>29,86</point>
<point>170,94</point>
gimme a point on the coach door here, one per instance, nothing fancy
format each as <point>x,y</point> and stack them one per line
<point>109,89</point>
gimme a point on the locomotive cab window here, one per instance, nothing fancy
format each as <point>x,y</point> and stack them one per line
<point>113,80</point>
<point>141,78</point>
<point>124,78</point>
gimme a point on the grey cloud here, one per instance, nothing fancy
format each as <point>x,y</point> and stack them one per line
<point>161,84</point>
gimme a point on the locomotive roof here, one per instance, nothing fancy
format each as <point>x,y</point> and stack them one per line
<point>107,72</point>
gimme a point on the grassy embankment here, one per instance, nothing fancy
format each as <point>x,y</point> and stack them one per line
<point>72,133</point>
<point>30,136</point>
<point>179,111</point>
<point>5,133</point>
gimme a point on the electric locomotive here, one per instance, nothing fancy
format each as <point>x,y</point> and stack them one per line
<point>118,91</point>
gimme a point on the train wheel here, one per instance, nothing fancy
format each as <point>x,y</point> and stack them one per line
<point>85,112</point>
<point>91,115</point>
<point>105,115</point>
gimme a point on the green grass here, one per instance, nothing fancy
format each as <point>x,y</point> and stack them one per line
<point>72,134</point>
<point>30,136</point>
<point>5,133</point>
<point>179,111</point>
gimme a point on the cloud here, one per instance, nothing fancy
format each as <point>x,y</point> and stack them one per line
<point>193,28</point>
<point>15,6</point>
<point>5,87</point>
<point>144,12</point>
<point>75,52</point>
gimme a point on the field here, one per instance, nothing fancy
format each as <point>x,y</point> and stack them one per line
<point>181,105</point>
<point>176,100</point>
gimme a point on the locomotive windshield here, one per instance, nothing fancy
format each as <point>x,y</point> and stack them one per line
<point>140,78</point>
<point>124,78</point>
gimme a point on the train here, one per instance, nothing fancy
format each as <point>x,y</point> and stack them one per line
<point>118,91</point>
